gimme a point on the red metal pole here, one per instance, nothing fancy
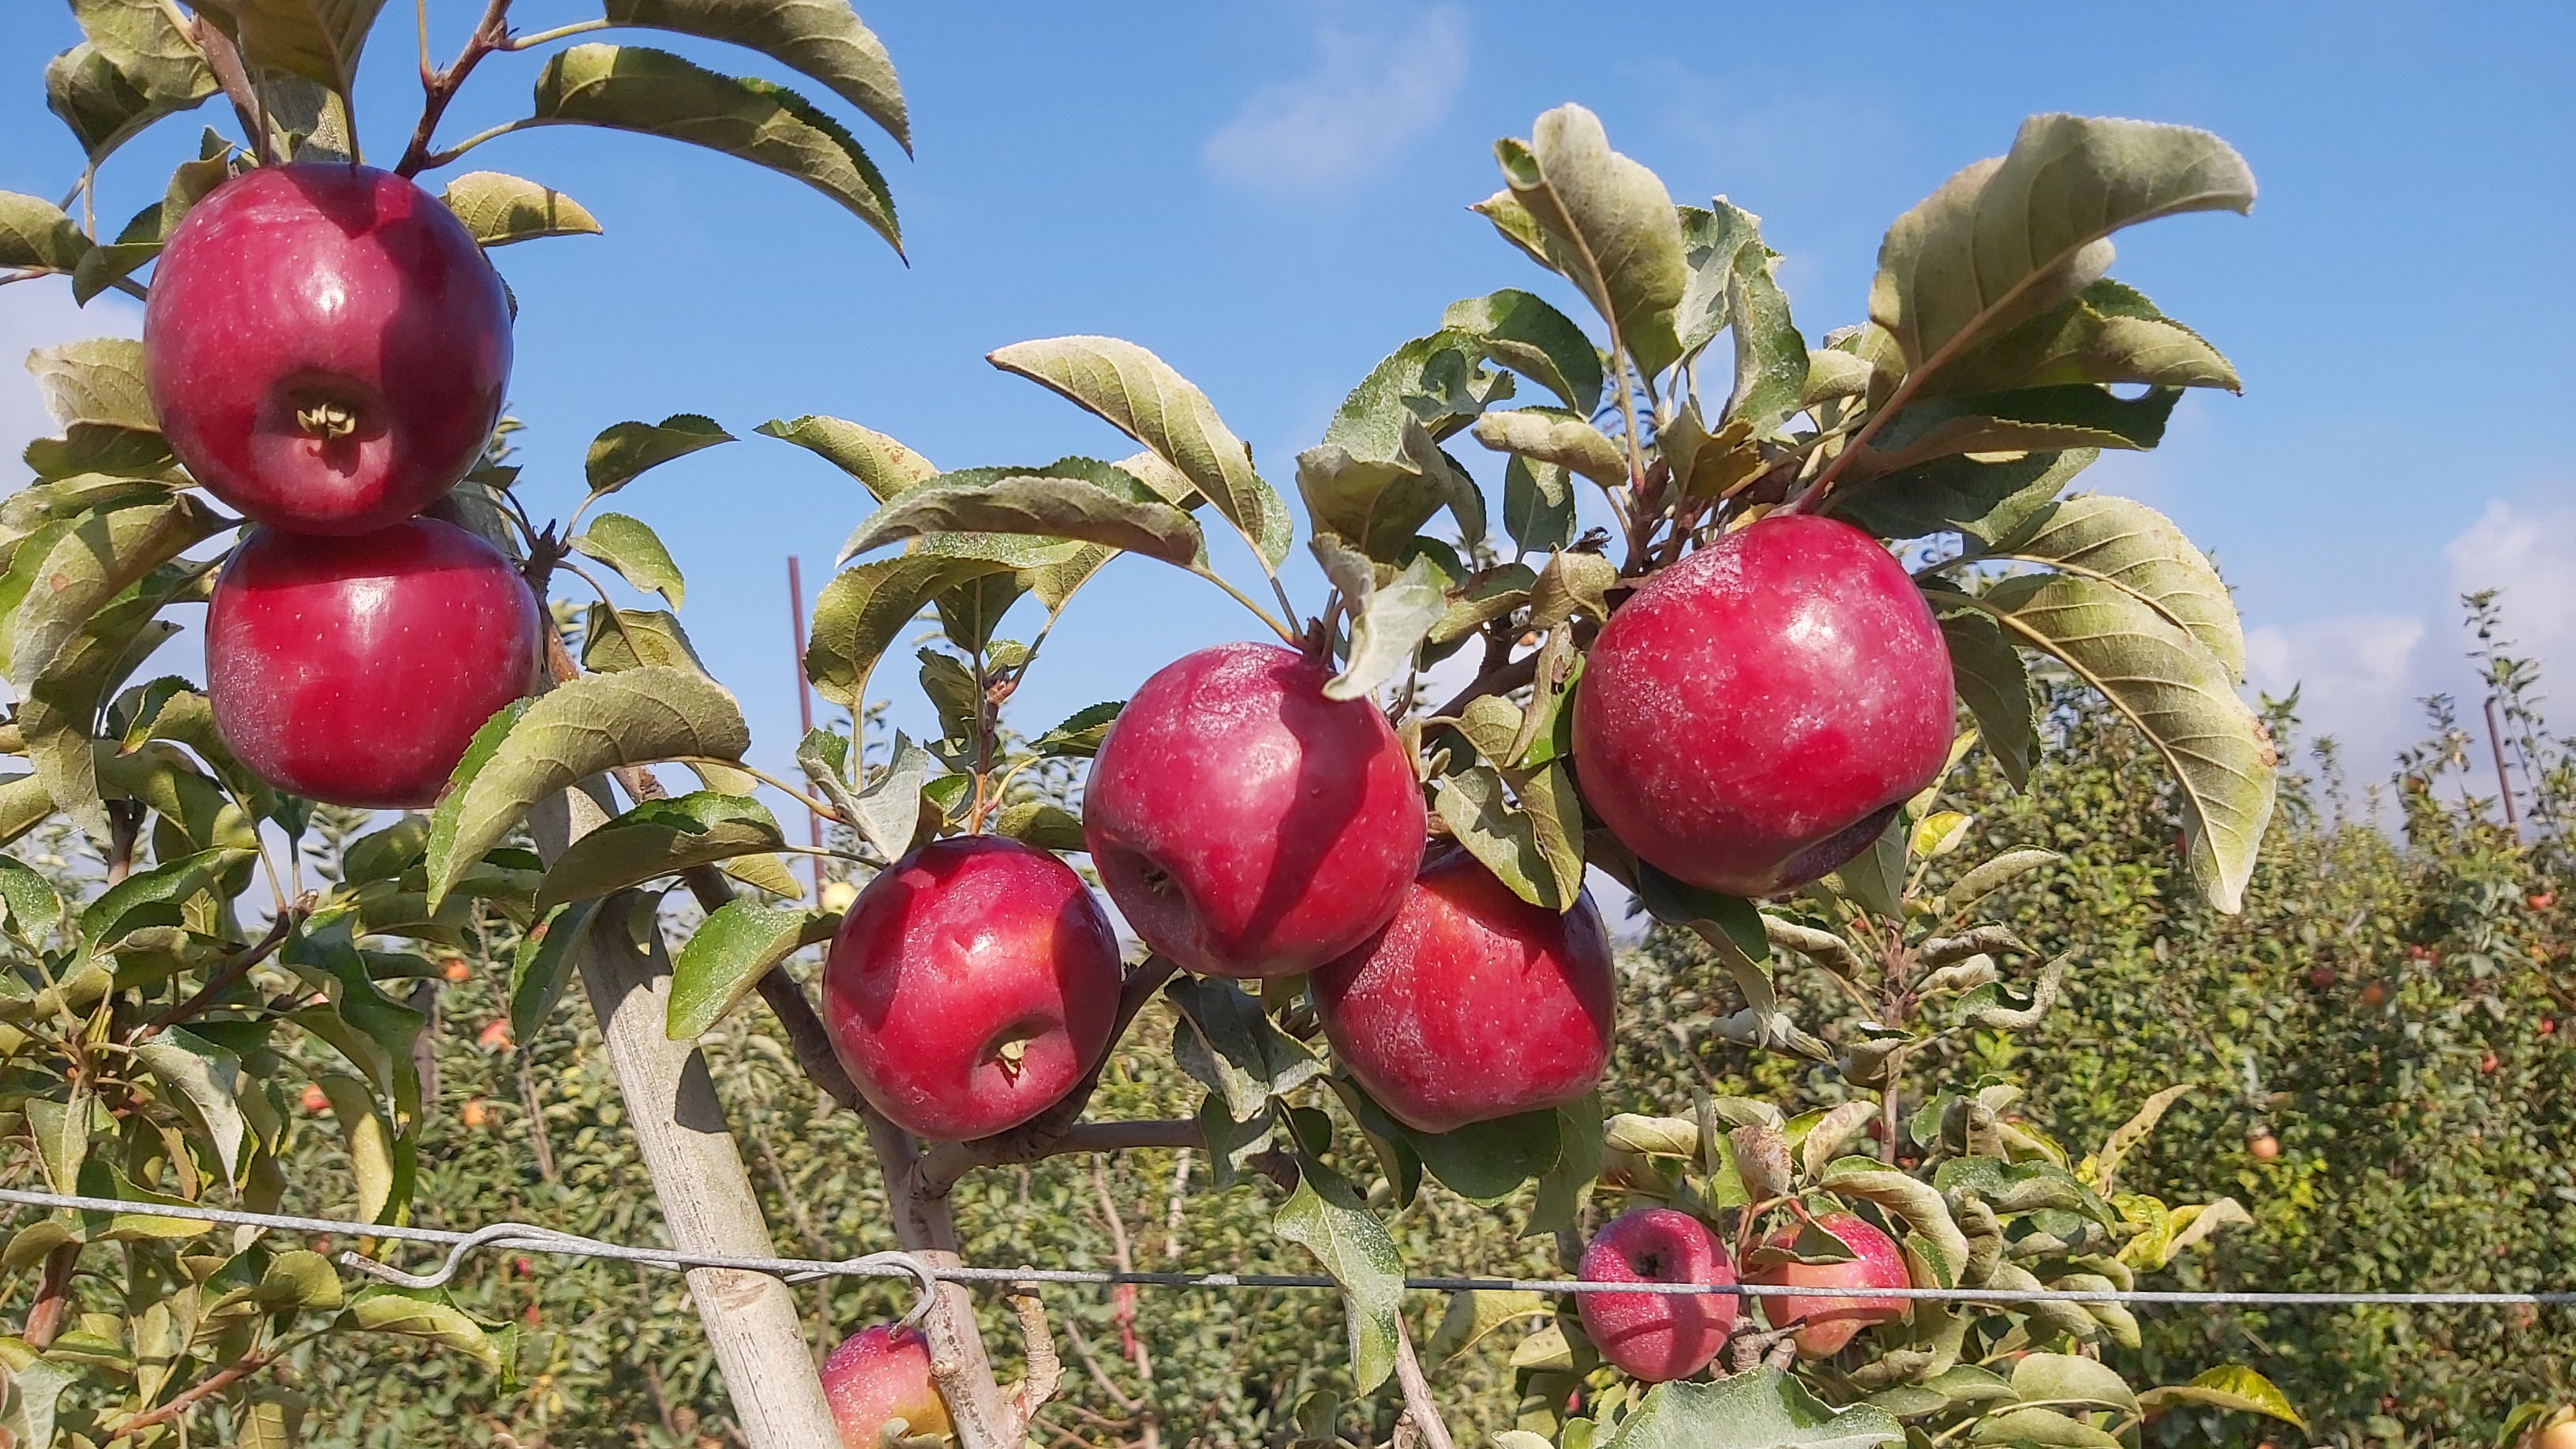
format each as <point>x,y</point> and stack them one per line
<point>804,703</point>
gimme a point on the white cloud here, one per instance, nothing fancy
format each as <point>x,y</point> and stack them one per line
<point>2525,551</point>
<point>1372,92</point>
<point>37,314</point>
<point>2356,677</point>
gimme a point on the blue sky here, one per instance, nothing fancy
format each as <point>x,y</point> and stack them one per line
<point>1272,196</point>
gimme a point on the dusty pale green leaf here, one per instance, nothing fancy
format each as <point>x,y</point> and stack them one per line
<point>2126,543</point>
<point>1548,435</point>
<point>1043,506</point>
<point>1770,356</point>
<point>1486,595</point>
<point>209,1079</point>
<point>96,380</point>
<point>272,1417</point>
<point>34,907</point>
<point>2068,1378</point>
<point>1607,224</point>
<point>630,546</point>
<point>883,466</point>
<point>423,1316</point>
<point>35,235</point>
<point>1228,1046</point>
<point>61,1131</point>
<point>1713,237</point>
<point>2180,697</point>
<point>319,40</point>
<point>731,950</point>
<point>629,638</point>
<point>2041,1428</point>
<point>2110,333</point>
<point>2037,419</point>
<point>2228,1386</point>
<point>659,838</point>
<point>1474,1314</point>
<point>1140,395</point>
<point>1501,835</point>
<point>1389,626</point>
<point>2012,237</point>
<point>823,39</point>
<point>1379,474</point>
<point>93,561</point>
<point>1523,332</point>
<point>1572,583</point>
<point>1538,506</point>
<point>633,717</point>
<point>1992,875</point>
<point>863,609</point>
<point>627,449</point>
<point>368,1137</point>
<point>133,68</point>
<point>1986,499</point>
<point>35,1390</point>
<point>1764,1409</point>
<point>103,449</point>
<point>632,88</point>
<point>1327,1218</point>
<point>1995,685</point>
<point>500,209</point>
<point>887,814</point>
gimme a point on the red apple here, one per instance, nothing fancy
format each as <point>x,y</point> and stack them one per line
<point>879,1375</point>
<point>2265,1148</point>
<point>326,346</point>
<point>356,670</point>
<point>1649,1336</point>
<point>973,983</point>
<point>1245,824</point>
<point>1472,1004</point>
<point>1754,715</point>
<point>1827,1322</point>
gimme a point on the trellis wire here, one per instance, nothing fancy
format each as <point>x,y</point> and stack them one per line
<point>528,1237</point>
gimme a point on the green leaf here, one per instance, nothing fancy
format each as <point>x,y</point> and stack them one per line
<point>1875,879</point>
<point>1387,627</point>
<point>34,908</point>
<point>1379,474</point>
<point>1606,224</point>
<point>823,39</point>
<point>659,838</point>
<point>631,547</point>
<point>1995,685</point>
<point>1474,1314</point>
<point>1538,506</point>
<point>1770,355</point>
<point>61,1131</point>
<point>1043,506</point>
<point>2067,1378</point>
<point>542,967</point>
<point>1502,837</point>
<point>96,380</point>
<point>1082,733</point>
<point>632,638</point>
<point>1712,238</point>
<point>2110,333</point>
<point>1548,435</point>
<point>627,449</point>
<point>153,897</point>
<point>1227,1044</point>
<point>883,466</point>
<point>272,1417</point>
<point>2228,1386</point>
<point>209,1079</point>
<point>420,1315</point>
<point>35,1390</point>
<point>2010,238</point>
<point>1705,912</point>
<point>133,69</point>
<point>1522,332</point>
<point>729,954</point>
<point>101,448</point>
<point>1581,1152</point>
<point>2045,1428</point>
<point>1987,500</point>
<point>2180,697</point>
<point>100,556</point>
<point>1140,395</point>
<point>632,88</point>
<point>2127,544</point>
<point>2032,419</point>
<point>633,717</point>
<point>319,40</point>
<point>861,611</point>
<point>1326,1218</point>
<point>1044,825</point>
<point>1764,1409</point>
<point>887,814</point>
<point>35,235</point>
<point>500,209</point>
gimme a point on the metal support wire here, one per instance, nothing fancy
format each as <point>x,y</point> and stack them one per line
<point>529,1238</point>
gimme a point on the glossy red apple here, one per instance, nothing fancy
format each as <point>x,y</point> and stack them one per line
<point>326,346</point>
<point>1472,1004</point>
<point>1654,1336</point>
<point>972,984</point>
<point>356,670</point>
<point>879,1375</point>
<point>1245,824</point>
<point>1830,1321</point>
<point>1754,715</point>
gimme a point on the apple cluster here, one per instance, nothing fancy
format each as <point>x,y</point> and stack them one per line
<point>1657,1337</point>
<point>327,349</point>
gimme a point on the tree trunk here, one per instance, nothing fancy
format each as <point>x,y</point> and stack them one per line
<point>707,1203</point>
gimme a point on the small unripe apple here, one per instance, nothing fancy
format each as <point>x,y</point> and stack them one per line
<point>1245,824</point>
<point>356,670</point>
<point>1472,1004</point>
<point>326,346</point>
<point>972,984</point>
<point>1754,715</point>
<point>1827,1321</point>
<point>2264,1147</point>
<point>837,895</point>
<point>879,1375</point>
<point>1654,1337</point>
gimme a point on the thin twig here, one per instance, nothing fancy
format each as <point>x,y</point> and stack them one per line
<point>197,1393</point>
<point>233,971</point>
<point>490,34</point>
<point>1418,1406</point>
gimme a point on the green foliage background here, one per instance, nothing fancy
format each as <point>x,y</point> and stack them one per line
<point>2424,1126</point>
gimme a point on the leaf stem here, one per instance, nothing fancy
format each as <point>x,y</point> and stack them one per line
<point>775,783</point>
<point>524,42</point>
<point>1282,630</point>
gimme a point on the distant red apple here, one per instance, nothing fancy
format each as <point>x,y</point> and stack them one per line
<point>326,346</point>
<point>1245,824</point>
<point>2544,900</point>
<point>972,984</point>
<point>2548,1025</point>
<point>2321,977</point>
<point>879,1375</point>
<point>1652,1336</point>
<point>1472,1004</point>
<point>1829,1321</point>
<point>1754,715</point>
<point>2372,993</point>
<point>2488,1064</point>
<point>356,670</point>
<point>2264,1147</point>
